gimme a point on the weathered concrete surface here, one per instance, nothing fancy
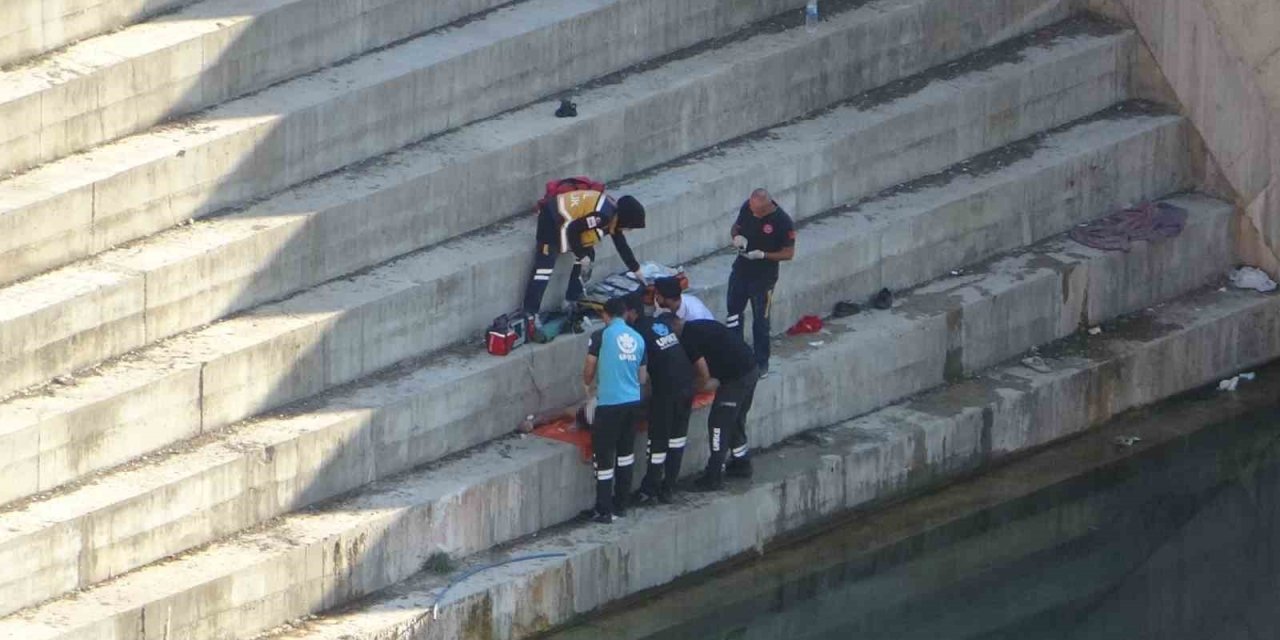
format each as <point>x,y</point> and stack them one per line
<point>990,204</point>
<point>349,328</point>
<point>124,82</point>
<point>943,330</point>
<point>33,27</point>
<point>1219,58</point>
<point>187,277</point>
<point>878,456</point>
<point>300,129</point>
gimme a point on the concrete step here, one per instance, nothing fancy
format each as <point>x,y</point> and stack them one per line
<point>992,203</point>
<point>350,328</point>
<point>971,425</point>
<point>125,82</point>
<point>298,130</point>
<point>183,278</point>
<point>239,478</point>
<point>34,27</point>
<point>950,328</point>
<point>326,556</point>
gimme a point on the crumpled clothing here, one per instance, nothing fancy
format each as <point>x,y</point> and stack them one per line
<point>1148,221</point>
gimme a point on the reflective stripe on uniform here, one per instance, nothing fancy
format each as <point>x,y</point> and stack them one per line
<point>626,461</point>
<point>676,443</point>
<point>658,458</point>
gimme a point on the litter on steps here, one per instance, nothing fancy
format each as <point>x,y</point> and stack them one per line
<point>1144,222</point>
<point>1252,278</point>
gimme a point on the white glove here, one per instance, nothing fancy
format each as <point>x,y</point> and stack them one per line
<point>584,263</point>
<point>637,276</point>
<point>754,255</point>
<point>589,410</point>
<point>740,243</point>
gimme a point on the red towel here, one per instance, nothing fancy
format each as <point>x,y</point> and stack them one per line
<point>807,324</point>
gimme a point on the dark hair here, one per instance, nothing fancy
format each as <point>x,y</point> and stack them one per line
<point>630,213</point>
<point>667,287</point>
<point>668,318</point>
<point>634,301</point>
<point>615,307</point>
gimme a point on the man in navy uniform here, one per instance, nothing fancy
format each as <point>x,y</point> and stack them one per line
<point>670,403</point>
<point>719,352</point>
<point>764,236</point>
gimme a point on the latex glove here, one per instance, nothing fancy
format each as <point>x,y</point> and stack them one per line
<point>589,410</point>
<point>638,277</point>
<point>754,255</point>
<point>740,243</point>
<point>585,264</point>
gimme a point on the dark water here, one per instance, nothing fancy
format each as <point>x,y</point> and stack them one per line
<point>1177,537</point>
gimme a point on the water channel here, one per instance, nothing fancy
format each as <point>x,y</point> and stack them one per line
<point>1174,536</point>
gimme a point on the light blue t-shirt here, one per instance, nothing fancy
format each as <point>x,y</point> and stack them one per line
<point>620,353</point>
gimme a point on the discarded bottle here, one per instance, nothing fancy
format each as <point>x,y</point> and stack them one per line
<point>811,16</point>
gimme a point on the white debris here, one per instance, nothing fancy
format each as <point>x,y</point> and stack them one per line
<point>1252,278</point>
<point>1229,384</point>
<point>1093,331</point>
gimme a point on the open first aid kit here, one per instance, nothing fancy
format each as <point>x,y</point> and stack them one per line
<point>509,331</point>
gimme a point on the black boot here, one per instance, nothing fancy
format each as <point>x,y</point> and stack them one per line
<point>739,468</point>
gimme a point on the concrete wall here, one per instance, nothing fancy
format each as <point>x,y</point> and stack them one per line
<point>31,27</point>
<point>1221,60</point>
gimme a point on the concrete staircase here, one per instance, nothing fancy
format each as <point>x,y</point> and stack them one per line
<point>247,247</point>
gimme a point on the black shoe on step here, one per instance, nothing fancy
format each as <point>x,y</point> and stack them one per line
<point>708,482</point>
<point>591,515</point>
<point>666,496</point>
<point>739,468</point>
<point>642,498</point>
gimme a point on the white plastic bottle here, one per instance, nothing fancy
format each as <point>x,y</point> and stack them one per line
<point>811,16</point>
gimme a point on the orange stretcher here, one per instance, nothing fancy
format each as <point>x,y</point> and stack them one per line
<point>564,429</point>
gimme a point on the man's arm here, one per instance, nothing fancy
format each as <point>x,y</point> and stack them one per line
<point>624,251</point>
<point>783,255</point>
<point>589,373</point>
<point>734,230</point>
<point>701,375</point>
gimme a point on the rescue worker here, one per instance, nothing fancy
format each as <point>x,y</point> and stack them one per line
<point>614,373</point>
<point>764,235</point>
<point>719,352</point>
<point>574,221</point>
<point>670,403</point>
<point>667,295</point>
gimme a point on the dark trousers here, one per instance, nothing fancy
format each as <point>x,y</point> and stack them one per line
<point>743,290</point>
<point>544,264</point>
<point>613,440</point>
<point>727,424</point>
<point>668,433</point>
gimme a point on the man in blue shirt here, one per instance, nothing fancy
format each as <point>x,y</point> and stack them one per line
<point>615,371</point>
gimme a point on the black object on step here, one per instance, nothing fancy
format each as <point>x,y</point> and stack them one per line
<point>567,109</point>
<point>883,300</point>
<point>846,308</point>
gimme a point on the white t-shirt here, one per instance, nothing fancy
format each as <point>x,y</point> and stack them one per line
<point>692,308</point>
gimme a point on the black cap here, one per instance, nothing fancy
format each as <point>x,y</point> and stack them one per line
<point>667,286</point>
<point>667,317</point>
<point>630,213</point>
